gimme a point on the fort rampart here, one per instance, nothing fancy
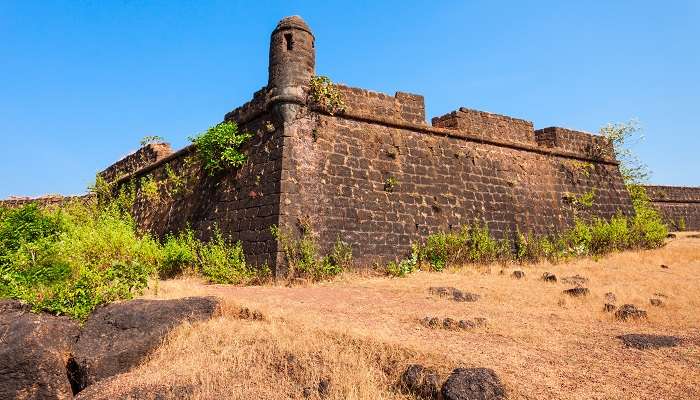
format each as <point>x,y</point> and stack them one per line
<point>375,174</point>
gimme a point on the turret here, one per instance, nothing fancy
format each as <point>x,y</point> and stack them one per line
<point>292,60</point>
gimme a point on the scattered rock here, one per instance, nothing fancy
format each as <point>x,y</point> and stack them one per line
<point>644,341</point>
<point>671,236</point>
<point>466,324</point>
<point>577,291</point>
<point>307,392</point>
<point>431,322</point>
<point>610,297</point>
<point>694,236</point>
<point>609,307</point>
<point>245,313</point>
<point>549,277</point>
<point>324,387</point>
<point>664,266</point>
<point>119,336</point>
<point>454,293</point>
<point>421,382</point>
<point>576,280</point>
<point>473,384</point>
<point>518,274</point>
<point>449,323</point>
<point>34,352</point>
<point>656,302</point>
<point>630,312</point>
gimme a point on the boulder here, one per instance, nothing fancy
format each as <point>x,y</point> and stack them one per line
<point>421,382</point>
<point>34,352</point>
<point>577,291</point>
<point>454,293</point>
<point>630,312</point>
<point>473,384</point>
<point>643,341</point>
<point>656,302</point>
<point>549,277</point>
<point>119,336</point>
<point>576,280</point>
<point>518,274</point>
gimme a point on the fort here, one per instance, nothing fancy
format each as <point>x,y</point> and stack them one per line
<point>375,174</point>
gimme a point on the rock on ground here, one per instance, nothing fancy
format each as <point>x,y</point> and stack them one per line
<point>549,277</point>
<point>577,291</point>
<point>34,352</point>
<point>119,336</point>
<point>421,382</point>
<point>473,384</point>
<point>643,341</point>
<point>629,312</point>
<point>518,274</point>
<point>456,294</point>
<point>577,280</point>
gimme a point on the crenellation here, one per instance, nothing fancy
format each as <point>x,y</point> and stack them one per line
<point>481,123</point>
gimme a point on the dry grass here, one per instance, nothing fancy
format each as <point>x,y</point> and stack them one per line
<point>360,331</point>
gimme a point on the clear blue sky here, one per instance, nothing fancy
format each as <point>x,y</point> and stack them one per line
<point>81,82</point>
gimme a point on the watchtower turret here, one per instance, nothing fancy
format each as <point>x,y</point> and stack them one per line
<point>292,60</point>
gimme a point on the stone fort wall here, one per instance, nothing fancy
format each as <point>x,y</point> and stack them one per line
<point>376,175</point>
<point>678,205</point>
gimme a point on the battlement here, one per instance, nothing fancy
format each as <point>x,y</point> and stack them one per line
<point>141,158</point>
<point>401,107</point>
<point>575,141</point>
<point>673,194</point>
<point>489,125</point>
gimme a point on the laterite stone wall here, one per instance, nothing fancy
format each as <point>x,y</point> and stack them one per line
<point>678,205</point>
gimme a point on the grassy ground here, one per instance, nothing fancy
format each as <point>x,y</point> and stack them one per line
<point>361,331</point>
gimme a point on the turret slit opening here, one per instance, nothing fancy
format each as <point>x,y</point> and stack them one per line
<point>288,40</point>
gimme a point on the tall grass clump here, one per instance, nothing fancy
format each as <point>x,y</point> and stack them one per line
<point>303,256</point>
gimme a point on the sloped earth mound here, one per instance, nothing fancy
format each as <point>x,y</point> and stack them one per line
<point>644,341</point>
<point>48,357</point>
<point>34,352</point>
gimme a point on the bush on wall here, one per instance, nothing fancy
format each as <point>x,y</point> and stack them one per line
<point>219,148</point>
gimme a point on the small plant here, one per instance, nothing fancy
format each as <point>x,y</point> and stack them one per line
<point>175,183</point>
<point>681,224</point>
<point>302,254</point>
<point>219,147</point>
<point>324,94</point>
<point>151,139</point>
<point>390,184</point>
<point>582,167</point>
<point>149,188</point>
<point>404,267</point>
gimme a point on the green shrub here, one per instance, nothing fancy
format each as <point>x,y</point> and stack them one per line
<point>648,229</point>
<point>406,266</point>
<point>303,257</point>
<point>179,254</point>
<point>219,147</point>
<point>469,245</point>
<point>224,263</point>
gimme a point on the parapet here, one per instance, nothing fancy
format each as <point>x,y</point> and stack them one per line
<point>584,143</point>
<point>141,158</point>
<point>249,110</point>
<point>673,194</point>
<point>494,126</point>
<point>402,107</point>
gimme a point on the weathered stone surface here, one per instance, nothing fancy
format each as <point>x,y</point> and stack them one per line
<point>454,293</point>
<point>118,336</point>
<point>421,382</point>
<point>34,352</point>
<point>644,341</point>
<point>656,302</point>
<point>577,280</point>
<point>679,206</point>
<point>473,384</point>
<point>630,312</point>
<point>577,291</point>
<point>549,277</point>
